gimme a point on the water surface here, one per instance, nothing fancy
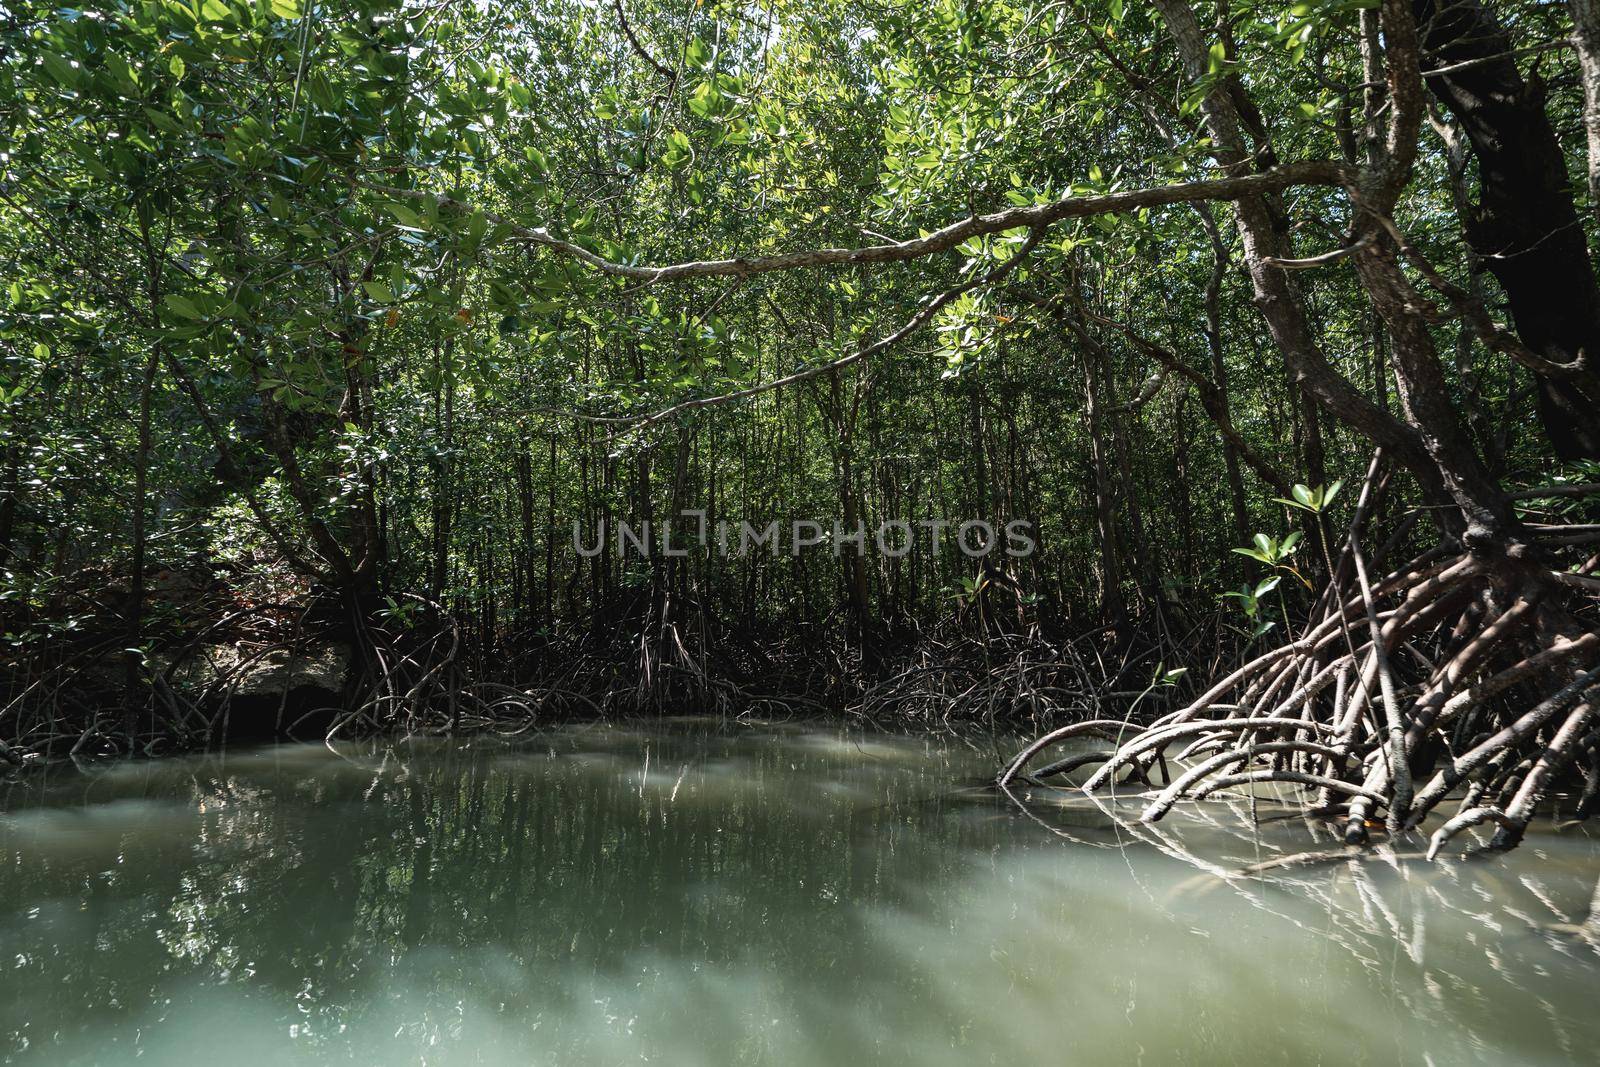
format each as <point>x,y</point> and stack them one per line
<point>694,893</point>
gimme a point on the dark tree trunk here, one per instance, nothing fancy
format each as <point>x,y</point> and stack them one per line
<point>550,540</point>
<point>10,495</point>
<point>443,484</point>
<point>1524,226</point>
<point>1113,608</point>
<point>141,477</point>
<point>1217,405</point>
<point>524,471</point>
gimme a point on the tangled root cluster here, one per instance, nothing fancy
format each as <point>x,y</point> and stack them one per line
<point>1463,686</point>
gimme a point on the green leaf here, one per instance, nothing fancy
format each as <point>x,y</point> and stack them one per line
<point>379,292</point>
<point>286,9</point>
<point>182,307</point>
<point>61,69</point>
<point>405,215</point>
<point>678,151</point>
<point>705,101</point>
<point>162,121</point>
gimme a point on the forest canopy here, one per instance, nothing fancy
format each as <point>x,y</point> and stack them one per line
<point>349,316</point>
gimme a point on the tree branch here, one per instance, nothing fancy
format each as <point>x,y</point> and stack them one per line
<point>638,46</point>
<point>1035,217</point>
<point>911,325</point>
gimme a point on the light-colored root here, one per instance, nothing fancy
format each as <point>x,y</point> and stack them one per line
<point>1478,679</point>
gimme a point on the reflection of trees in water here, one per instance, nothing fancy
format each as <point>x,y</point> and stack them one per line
<point>317,884</point>
<point>427,885</point>
<point>1421,928</point>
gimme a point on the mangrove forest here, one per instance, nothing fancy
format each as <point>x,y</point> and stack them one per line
<point>721,531</point>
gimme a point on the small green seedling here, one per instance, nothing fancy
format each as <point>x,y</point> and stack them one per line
<point>1314,500</point>
<point>1270,550</point>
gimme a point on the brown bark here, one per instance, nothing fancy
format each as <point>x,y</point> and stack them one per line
<point>550,539</point>
<point>1232,187</point>
<point>442,490</point>
<point>524,470</point>
<point>1277,295</point>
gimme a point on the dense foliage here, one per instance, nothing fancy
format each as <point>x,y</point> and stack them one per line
<point>352,304</point>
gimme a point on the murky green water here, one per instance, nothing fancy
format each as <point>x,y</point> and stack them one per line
<point>697,895</point>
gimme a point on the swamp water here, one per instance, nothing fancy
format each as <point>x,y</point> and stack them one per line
<point>690,893</point>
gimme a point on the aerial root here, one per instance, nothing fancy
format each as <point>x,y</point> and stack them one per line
<point>1476,679</point>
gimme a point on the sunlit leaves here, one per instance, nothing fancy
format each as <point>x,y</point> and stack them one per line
<point>63,70</point>
<point>182,307</point>
<point>1270,550</point>
<point>250,139</point>
<point>1315,500</point>
<point>678,151</point>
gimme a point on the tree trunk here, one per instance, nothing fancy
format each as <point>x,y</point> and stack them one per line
<point>550,540</point>
<point>443,489</point>
<point>1219,374</point>
<point>1112,606</point>
<point>524,470</point>
<point>141,477</point>
<point>1525,226</point>
<point>1278,298</point>
<point>1586,40</point>
<point>10,496</point>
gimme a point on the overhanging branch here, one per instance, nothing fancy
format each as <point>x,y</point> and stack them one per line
<point>1033,217</point>
<point>912,325</point>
